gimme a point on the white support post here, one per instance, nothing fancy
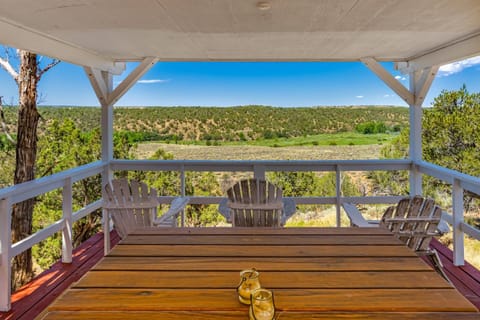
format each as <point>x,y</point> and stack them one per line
<point>420,82</point>
<point>338,193</point>
<point>415,139</point>
<point>107,153</point>
<point>107,123</point>
<point>458,235</point>
<point>102,84</point>
<point>67,245</point>
<point>5,259</point>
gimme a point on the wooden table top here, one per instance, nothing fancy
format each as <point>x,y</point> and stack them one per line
<point>315,273</point>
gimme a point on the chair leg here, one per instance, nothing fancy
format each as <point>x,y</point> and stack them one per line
<point>437,264</point>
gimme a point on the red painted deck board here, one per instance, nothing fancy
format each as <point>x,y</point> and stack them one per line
<point>30,300</point>
<point>465,278</point>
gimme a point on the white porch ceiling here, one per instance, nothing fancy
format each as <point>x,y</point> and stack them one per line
<point>98,33</point>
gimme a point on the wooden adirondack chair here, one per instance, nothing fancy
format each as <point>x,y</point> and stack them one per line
<point>414,221</point>
<point>132,205</point>
<point>255,203</point>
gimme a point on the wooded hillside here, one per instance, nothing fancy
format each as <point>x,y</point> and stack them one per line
<point>226,123</point>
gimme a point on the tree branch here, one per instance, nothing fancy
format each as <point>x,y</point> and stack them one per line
<point>47,67</point>
<point>4,126</point>
<point>5,64</point>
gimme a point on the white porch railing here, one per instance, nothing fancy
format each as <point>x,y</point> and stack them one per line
<point>15,194</point>
<point>18,193</point>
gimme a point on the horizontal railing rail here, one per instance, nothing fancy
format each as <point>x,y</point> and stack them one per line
<point>459,182</point>
<point>64,180</point>
<point>27,190</point>
<point>261,165</point>
<point>21,192</point>
<point>55,227</point>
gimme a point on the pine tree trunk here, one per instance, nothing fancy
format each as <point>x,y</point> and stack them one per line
<point>26,153</point>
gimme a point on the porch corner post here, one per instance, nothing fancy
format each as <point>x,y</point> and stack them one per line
<point>107,152</point>
<point>415,138</point>
<point>5,259</point>
<point>102,83</point>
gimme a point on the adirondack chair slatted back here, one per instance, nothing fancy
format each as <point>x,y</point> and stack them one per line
<point>413,221</point>
<point>130,205</point>
<point>255,203</point>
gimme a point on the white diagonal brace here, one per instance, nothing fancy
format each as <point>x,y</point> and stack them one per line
<point>423,84</point>
<point>97,80</point>
<point>389,80</point>
<point>131,79</point>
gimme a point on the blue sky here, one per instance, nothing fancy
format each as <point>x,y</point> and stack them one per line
<point>232,84</point>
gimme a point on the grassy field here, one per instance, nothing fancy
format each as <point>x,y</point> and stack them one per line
<point>327,139</point>
<point>249,152</point>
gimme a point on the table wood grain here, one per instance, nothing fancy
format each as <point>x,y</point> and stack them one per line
<point>315,273</point>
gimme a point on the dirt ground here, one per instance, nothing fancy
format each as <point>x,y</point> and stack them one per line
<point>193,152</point>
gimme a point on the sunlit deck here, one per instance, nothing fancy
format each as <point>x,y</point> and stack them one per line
<point>34,298</point>
<point>30,300</point>
<point>202,30</point>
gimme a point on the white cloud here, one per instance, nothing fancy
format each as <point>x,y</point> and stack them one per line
<point>387,95</point>
<point>455,67</point>
<point>401,78</point>
<point>153,81</point>
<point>359,97</point>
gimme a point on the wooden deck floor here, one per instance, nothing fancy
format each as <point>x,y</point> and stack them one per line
<point>31,300</point>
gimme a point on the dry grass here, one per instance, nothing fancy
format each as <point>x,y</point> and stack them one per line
<point>194,152</point>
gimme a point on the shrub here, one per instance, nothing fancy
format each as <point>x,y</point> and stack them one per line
<point>371,127</point>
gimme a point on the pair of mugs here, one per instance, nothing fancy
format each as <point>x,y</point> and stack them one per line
<point>250,292</point>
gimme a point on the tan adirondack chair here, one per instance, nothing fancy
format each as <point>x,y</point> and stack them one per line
<point>132,205</point>
<point>414,221</point>
<point>255,203</point>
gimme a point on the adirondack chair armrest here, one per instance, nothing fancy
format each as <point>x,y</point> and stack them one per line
<point>224,209</point>
<point>356,217</point>
<point>443,227</point>
<point>289,208</point>
<point>177,205</point>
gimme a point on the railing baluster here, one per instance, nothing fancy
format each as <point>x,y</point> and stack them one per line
<point>67,245</point>
<point>338,193</point>
<point>5,244</point>
<point>458,235</point>
<point>182,191</point>
<point>107,175</point>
